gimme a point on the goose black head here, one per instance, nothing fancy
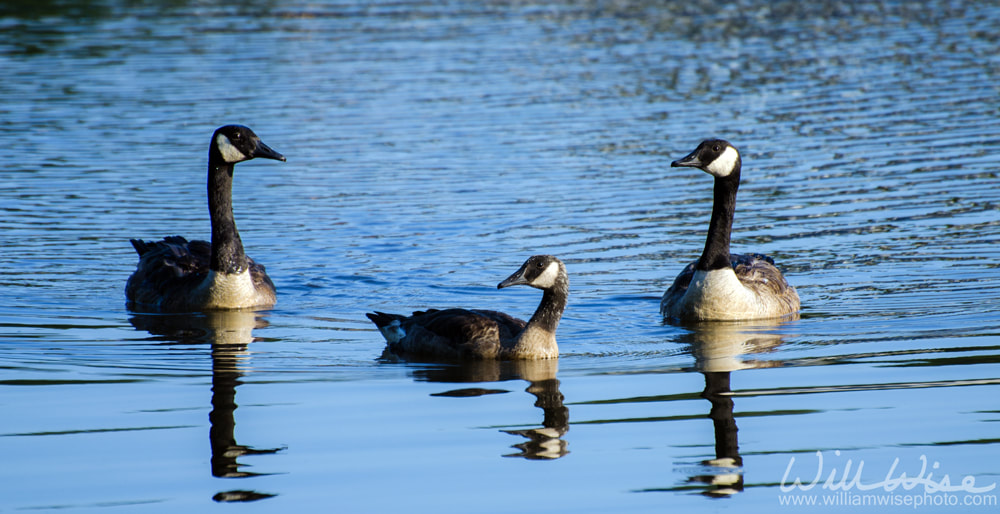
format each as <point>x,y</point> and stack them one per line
<point>236,143</point>
<point>539,271</point>
<point>716,157</point>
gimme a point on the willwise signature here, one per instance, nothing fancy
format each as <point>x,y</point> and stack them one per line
<point>846,482</point>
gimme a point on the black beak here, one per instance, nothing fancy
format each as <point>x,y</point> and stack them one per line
<point>266,152</point>
<point>691,160</point>
<point>517,279</point>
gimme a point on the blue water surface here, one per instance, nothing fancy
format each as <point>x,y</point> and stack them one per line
<point>432,147</point>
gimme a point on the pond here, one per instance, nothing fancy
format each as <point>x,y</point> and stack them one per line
<point>432,147</point>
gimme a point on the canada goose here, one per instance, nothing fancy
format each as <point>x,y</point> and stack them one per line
<point>720,286</point>
<point>177,275</point>
<point>481,334</point>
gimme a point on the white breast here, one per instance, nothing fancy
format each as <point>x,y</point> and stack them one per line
<point>535,343</point>
<point>719,295</point>
<point>228,291</point>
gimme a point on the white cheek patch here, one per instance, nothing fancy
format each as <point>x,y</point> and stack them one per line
<point>724,164</point>
<point>548,277</point>
<point>229,152</point>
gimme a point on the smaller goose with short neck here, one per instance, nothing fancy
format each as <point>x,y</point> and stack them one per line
<point>482,334</point>
<point>720,286</point>
<point>177,275</point>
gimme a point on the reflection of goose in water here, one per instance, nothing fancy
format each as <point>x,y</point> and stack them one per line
<point>229,333</point>
<point>718,349</point>
<point>726,476</point>
<point>726,345</point>
<point>543,442</point>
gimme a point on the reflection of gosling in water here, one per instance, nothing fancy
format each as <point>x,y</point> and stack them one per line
<point>542,442</point>
<point>545,442</point>
<point>720,286</point>
<point>482,334</point>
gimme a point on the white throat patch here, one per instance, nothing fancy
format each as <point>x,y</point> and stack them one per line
<point>229,152</point>
<point>548,277</point>
<point>724,164</point>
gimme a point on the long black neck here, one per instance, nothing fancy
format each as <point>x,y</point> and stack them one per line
<point>551,308</point>
<point>227,248</point>
<point>716,253</point>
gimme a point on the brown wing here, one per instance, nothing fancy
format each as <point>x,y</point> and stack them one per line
<point>452,333</point>
<point>755,271</point>
<point>463,323</point>
<point>758,273</point>
<point>167,270</point>
<point>681,283</point>
<point>261,282</point>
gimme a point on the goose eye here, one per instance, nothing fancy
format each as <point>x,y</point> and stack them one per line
<point>716,148</point>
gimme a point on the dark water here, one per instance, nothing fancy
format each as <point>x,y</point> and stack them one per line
<point>431,148</point>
